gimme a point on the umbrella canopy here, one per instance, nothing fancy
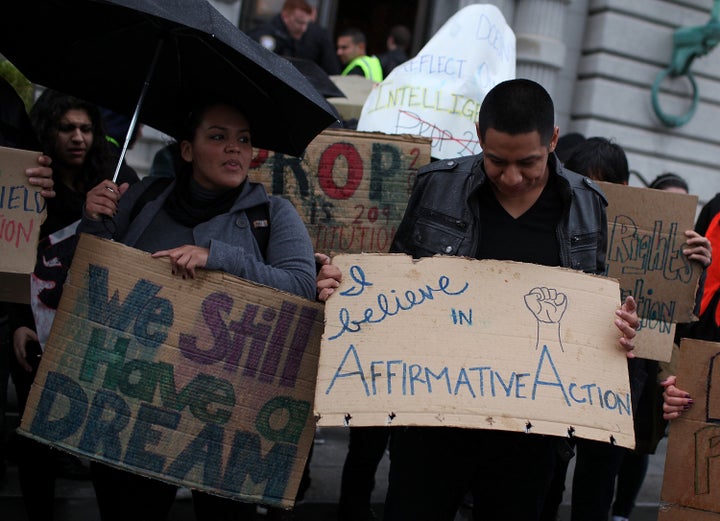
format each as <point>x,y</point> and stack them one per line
<point>152,58</point>
<point>317,77</point>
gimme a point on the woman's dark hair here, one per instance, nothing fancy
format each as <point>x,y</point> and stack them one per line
<point>192,122</point>
<point>45,117</point>
<point>669,180</point>
<point>600,159</point>
<point>516,107</point>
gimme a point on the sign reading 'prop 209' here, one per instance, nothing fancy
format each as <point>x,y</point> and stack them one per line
<point>205,383</point>
<point>350,188</point>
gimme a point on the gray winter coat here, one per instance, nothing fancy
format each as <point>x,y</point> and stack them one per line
<point>289,263</point>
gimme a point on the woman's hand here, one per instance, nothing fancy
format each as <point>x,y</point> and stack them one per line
<point>699,248</point>
<point>21,338</point>
<point>675,401</point>
<point>103,199</point>
<point>328,278</point>
<point>185,259</point>
<point>628,322</point>
<point>41,176</point>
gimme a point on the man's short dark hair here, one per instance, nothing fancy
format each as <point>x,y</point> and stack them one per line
<point>600,159</point>
<point>355,34</point>
<point>401,36</point>
<point>518,106</point>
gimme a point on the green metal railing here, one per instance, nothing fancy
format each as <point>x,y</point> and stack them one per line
<point>688,43</point>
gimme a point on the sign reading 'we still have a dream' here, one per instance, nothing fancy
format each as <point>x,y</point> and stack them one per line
<point>206,383</point>
<point>448,341</point>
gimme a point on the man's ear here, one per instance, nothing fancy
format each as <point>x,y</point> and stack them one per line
<point>554,139</point>
<point>477,131</point>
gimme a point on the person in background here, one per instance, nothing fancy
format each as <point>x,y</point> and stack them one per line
<point>351,49</point>
<point>566,145</point>
<point>597,463</point>
<point>16,132</point>
<point>398,44</point>
<point>292,33</point>
<point>72,133</point>
<point>649,424</point>
<point>515,201</point>
<point>192,222</point>
<point>319,42</point>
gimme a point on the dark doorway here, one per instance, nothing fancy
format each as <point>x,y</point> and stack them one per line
<point>376,17</point>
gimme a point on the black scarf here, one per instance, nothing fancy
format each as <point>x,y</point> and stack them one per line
<point>189,204</point>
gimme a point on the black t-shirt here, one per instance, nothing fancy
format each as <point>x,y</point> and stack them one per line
<point>529,238</point>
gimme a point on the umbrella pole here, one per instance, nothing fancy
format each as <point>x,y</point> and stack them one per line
<point>133,121</point>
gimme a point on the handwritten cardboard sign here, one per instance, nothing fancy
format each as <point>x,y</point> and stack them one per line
<point>646,238</point>
<point>22,211</point>
<point>691,482</point>
<point>205,383</point>
<point>449,341</point>
<point>351,188</point>
<point>437,94</point>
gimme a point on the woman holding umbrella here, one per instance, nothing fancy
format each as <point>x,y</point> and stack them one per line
<point>200,221</point>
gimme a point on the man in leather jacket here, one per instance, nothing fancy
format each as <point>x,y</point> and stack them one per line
<point>515,202</point>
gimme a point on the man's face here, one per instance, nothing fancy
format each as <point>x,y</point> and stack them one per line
<point>296,21</point>
<point>347,50</point>
<point>516,165</point>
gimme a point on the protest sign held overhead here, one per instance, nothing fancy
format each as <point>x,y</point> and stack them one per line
<point>449,341</point>
<point>205,383</point>
<point>438,93</point>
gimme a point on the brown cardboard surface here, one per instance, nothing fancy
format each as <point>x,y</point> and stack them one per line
<point>351,188</point>
<point>22,211</point>
<point>449,341</point>
<point>692,466</point>
<point>678,513</point>
<point>654,341</point>
<point>646,236</point>
<point>206,383</point>
<point>356,89</point>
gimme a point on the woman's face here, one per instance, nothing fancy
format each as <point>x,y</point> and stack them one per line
<point>74,138</point>
<point>221,151</point>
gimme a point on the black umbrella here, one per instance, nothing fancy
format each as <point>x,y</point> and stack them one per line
<point>151,58</point>
<point>317,77</point>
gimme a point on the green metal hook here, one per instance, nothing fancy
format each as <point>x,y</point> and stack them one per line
<point>688,44</point>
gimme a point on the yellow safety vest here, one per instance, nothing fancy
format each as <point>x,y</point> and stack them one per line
<point>370,66</point>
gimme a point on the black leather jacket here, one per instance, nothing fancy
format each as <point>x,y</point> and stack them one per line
<point>442,214</point>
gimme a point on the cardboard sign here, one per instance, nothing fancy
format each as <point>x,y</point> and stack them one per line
<point>646,238</point>
<point>449,341</point>
<point>437,94</point>
<point>691,481</point>
<point>351,188</point>
<point>205,383</point>
<point>22,211</point>
<point>356,89</point>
